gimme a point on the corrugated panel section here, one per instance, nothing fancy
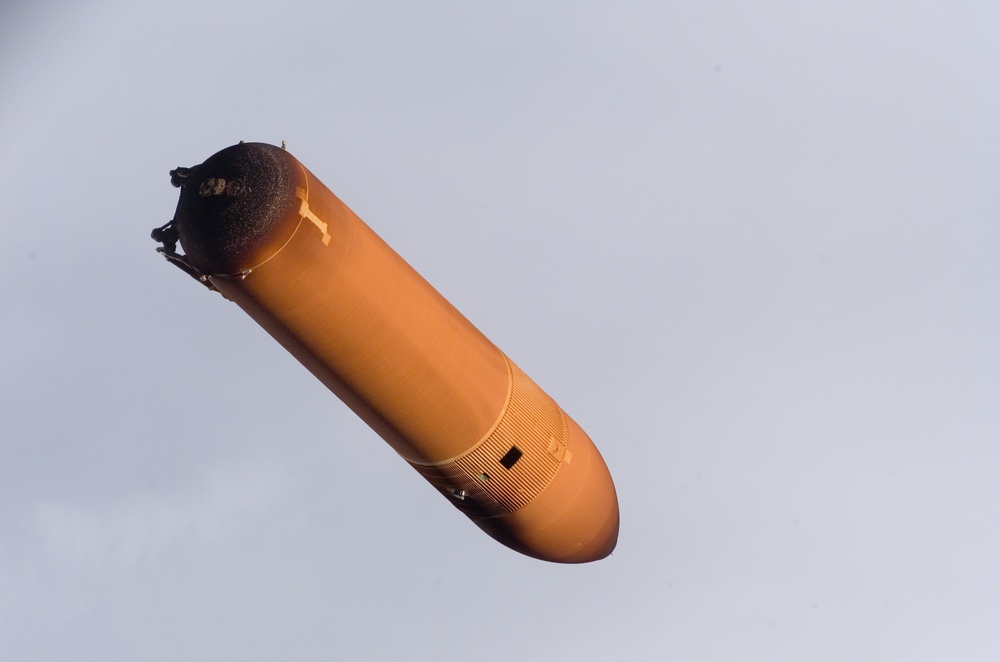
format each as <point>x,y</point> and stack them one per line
<point>514,462</point>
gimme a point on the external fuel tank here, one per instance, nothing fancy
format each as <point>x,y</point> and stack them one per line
<point>255,225</point>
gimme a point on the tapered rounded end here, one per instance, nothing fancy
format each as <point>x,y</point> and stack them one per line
<point>575,519</point>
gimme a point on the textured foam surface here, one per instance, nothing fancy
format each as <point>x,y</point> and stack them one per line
<point>231,205</point>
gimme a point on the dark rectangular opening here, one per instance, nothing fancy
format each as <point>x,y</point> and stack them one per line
<point>511,458</point>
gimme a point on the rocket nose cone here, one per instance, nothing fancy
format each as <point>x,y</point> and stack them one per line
<point>589,529</point>
<point>570,548</point>
<point>574,520</point>
<point>605,539</point>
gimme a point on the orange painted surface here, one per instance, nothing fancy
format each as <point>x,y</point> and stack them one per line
<point>261,229</point>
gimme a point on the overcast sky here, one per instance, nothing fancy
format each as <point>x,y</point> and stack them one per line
<point>750,247</point>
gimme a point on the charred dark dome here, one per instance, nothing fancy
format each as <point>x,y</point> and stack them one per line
<point>231,204</point>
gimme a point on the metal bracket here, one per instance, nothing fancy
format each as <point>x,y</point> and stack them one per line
<point>167,235</point>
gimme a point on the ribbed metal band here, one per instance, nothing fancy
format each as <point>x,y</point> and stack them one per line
<point>512,464</point>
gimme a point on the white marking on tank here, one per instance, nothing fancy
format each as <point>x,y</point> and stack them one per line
<point>305,212</point>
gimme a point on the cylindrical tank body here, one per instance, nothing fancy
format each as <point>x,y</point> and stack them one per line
<point>257,226</point>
